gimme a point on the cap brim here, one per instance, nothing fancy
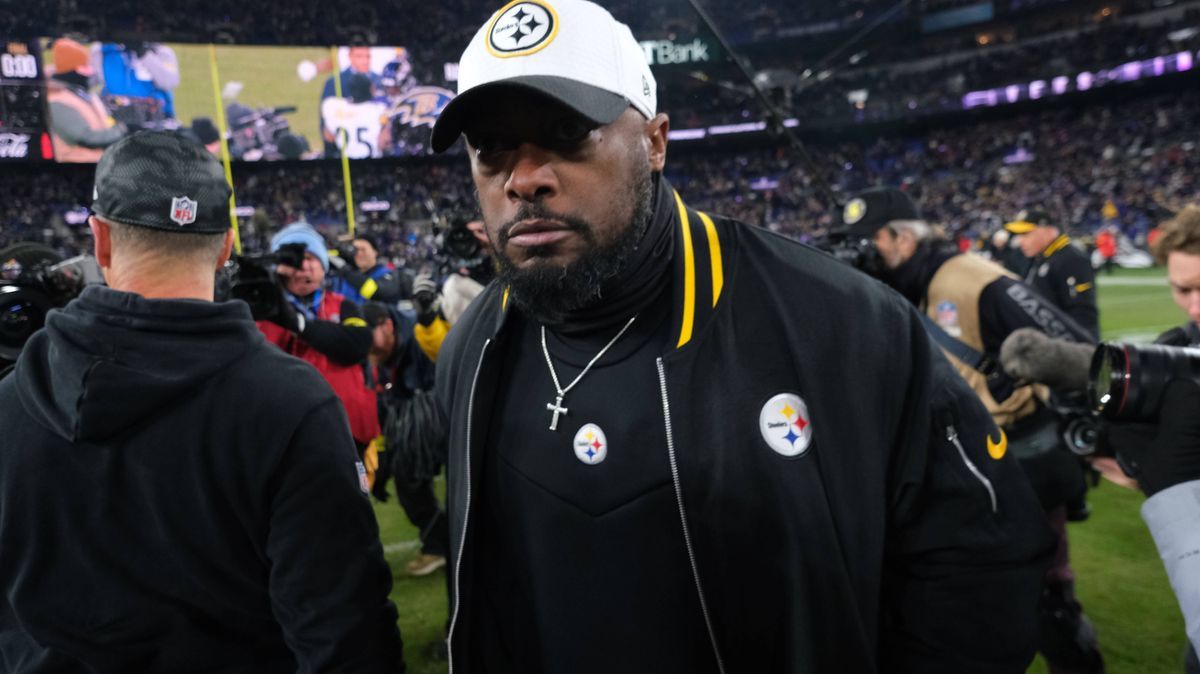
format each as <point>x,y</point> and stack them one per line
<point>599,105</point>
<point>1020,227</point>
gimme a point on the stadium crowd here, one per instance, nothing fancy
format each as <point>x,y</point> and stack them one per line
<point>1138,155</point>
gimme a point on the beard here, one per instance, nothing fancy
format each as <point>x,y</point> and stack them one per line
<point>548,293</point>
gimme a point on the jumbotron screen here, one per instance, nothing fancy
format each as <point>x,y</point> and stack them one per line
<point>22,104</point>
<point>66,101</point>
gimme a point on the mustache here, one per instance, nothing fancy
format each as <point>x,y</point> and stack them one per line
<point>540,212</point>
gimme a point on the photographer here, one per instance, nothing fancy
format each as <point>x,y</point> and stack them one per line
<point>1168,462</point>
<point>472,258</point>
<point>971,305</point>
<point>364,277</point>
<point>323,328</point>
<point>467,253</point>
<point>176,494</point>
<point>1150,398</point>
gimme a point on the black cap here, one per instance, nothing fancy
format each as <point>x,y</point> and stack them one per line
<point>163,181</point>
<point>205,131</point>
<point>1028,220</point>
<point>362,236</point>
<point>873,209</point>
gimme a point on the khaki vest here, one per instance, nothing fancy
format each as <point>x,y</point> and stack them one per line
<point>92,110</point>
<point>952,302</point>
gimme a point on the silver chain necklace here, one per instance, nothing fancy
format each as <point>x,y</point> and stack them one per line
<point>556,407</point>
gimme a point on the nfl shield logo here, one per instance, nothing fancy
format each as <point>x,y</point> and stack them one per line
<point>183,211</point>
<point>364,482</point>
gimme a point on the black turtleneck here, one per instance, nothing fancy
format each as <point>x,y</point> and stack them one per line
<point>640,282</point>
<point>912,278</point>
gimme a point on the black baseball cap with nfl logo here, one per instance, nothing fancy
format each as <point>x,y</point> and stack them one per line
<point>162,180</point>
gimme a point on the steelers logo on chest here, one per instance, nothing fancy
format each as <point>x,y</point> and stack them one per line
<point>785,425</point>
<point>591,445</point>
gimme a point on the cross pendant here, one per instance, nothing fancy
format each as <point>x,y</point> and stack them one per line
<point>557,408</point>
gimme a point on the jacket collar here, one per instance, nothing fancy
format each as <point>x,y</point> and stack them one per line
<point>699,260</point>
<point>1056,245</point>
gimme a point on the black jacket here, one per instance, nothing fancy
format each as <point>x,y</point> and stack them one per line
<point>1063,274</point>
<point>178,495</point>
<point>893,544</point>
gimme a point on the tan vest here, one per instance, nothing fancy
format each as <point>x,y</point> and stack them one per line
<point>952,301</point>
<point>92,110</point>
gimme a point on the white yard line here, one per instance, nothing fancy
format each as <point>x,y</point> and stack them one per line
<point>1159,281</point>
<point>401,546</point>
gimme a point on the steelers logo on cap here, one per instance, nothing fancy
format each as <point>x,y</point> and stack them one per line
<point>522,28</point>
<point>855,211</point>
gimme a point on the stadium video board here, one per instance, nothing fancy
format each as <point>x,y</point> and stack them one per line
<point>66,101</point>
<point>23,134</point>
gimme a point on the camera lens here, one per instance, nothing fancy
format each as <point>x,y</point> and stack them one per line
<point>1127,381</point>
<point>1109,385</point>
<point>22,313</point>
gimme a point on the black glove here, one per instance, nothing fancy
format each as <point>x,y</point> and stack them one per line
<point>427,299</point>
<point>286,315</point>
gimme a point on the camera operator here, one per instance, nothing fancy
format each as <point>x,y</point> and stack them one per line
<point>323,328</point>
<point>467,252</point>
<point>1058,269</point>
<point>474,270</point>
<point>365,277</point>
<point>971,305</point>
<point>176,494</point>
<point>1168,449</point>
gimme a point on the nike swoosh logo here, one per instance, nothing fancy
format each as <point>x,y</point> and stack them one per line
<point>996,450</point>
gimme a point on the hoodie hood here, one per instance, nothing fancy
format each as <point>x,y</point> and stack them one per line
<point>110,359</point>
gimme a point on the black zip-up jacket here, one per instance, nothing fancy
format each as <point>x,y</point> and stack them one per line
<point>895,543</point>
<point>178,495</point>
<point>1063,274</point>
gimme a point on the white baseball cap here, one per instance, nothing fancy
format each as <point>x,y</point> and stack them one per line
<point>573,51</point>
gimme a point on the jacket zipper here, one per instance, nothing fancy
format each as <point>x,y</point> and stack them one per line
<point>462,543</point>
<point>952,436</point>
<point>687,537</point>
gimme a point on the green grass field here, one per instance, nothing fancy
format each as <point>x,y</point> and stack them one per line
<point>1121,581</point>
<point>269,78</point>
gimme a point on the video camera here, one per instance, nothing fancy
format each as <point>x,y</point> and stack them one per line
<point>33,280</point>
<point>857,252</point>
<point>251,279</point>
<point>263,134</point>
<point>1127,381</point>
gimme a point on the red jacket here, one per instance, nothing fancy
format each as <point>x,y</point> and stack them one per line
<point>347,381</point>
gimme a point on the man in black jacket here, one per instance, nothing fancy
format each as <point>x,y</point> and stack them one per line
<point>177,494</point>
<point>681,442</point>
<point>1058,268</point>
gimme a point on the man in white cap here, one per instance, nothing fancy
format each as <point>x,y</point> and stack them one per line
<point>681,444</point>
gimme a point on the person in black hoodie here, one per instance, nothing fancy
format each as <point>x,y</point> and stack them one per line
<point>176,494</point>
